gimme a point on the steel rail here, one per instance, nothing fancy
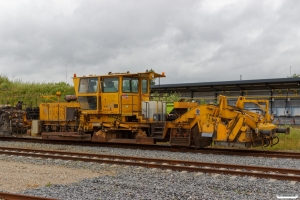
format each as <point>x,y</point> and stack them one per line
<point>253,153</point>
<point>161,163</point>
<point>209,150</point>
<point>12,196</point>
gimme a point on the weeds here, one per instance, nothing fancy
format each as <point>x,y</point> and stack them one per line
<point>29,93</point>
<point>49,184</point>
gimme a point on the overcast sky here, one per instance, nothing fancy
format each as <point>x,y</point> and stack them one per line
<point>191,41</point>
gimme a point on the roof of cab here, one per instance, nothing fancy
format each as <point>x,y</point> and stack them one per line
<point>138,74</point>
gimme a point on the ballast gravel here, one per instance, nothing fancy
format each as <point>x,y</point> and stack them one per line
<point>242,160</point>
<point>138,183</point>
<point>123,182</point>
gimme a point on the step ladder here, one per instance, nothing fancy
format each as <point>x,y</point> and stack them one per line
<point>157,129</point>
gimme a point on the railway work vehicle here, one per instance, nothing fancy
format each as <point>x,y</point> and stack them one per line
<point>117,107</point>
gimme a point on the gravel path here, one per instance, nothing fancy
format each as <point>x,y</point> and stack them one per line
<point>123,182</point>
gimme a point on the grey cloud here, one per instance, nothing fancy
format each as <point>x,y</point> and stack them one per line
<point>188,40</point>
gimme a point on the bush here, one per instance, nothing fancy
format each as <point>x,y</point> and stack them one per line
<point>30,93</point>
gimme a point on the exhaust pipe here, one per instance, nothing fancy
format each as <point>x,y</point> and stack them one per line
<point>69,98</point>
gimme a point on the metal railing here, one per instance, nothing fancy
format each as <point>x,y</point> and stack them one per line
<point>132,104</point>
<point>140,108</point>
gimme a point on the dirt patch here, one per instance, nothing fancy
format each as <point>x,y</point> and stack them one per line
<point>15,176</point>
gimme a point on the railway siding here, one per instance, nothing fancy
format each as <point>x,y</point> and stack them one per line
<point>138,183</point>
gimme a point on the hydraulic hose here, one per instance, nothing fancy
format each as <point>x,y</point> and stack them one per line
<point>275,142</point>
<point>266,142</point>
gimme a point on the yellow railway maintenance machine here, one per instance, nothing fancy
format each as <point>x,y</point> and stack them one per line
<point>116,107</point>
<point>224,125</point>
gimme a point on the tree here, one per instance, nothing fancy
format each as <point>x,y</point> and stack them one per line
<point>294,76</point>
<point>152,82</point>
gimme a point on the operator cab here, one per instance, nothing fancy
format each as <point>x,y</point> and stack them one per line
<point>114,93</point>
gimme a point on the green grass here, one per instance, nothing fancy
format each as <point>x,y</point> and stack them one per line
<point>49,184</point>
<point>29,92</point>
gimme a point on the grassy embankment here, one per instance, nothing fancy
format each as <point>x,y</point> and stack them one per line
<point>29,92</point>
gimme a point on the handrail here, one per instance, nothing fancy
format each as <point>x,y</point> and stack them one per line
<point>132,104</point>
<point>139,107</point>
<point>295,96</point>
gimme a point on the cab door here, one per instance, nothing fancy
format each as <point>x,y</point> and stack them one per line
<point>130,97</point>
<point>110,95</point>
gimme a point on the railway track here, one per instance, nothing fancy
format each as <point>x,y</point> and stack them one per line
<point>220,151</point>
<point>166,164</point>
<point>11,196</point>
<point>245,152</point>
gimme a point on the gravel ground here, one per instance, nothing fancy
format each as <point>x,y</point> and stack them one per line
<point>16,176</point>
<point>122,182</point>
<point>138,183</point>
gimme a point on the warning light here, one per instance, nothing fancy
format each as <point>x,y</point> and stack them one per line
<point>74,75</point>
<point>163,73</point>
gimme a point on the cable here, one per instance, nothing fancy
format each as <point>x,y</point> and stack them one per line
<point>276,142</point>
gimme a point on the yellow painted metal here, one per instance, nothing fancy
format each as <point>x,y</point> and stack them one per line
<point>50,97</point>
<point>231,124</point>
<point>76,84</point>
<point>185,104</point>
<point>125,108</point>
<point>118,106</point>
<point>236,127</point>
<point>121,110</point>
<point>222,132</point>
<point>56,111</point>
<point>208,128</point>
<point>110,103</point>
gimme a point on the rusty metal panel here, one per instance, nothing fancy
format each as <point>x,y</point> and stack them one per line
<point>146,140</point>
<point>123,140</point>
<point>180,141</point>
<point>65,136</point>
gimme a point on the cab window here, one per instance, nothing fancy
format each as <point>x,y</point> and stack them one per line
<point>144,86</point>
<point>130,84</point>
<point>110,85</point>
<point>88,85</point>
<point>88,102</point>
